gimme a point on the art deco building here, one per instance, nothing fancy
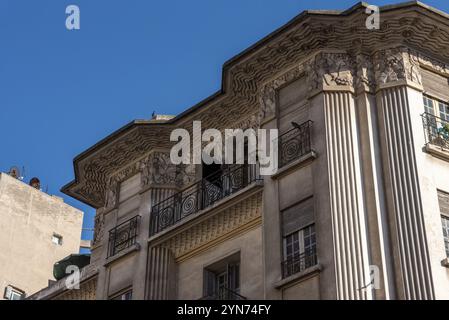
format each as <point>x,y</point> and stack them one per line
<point>359,208</point>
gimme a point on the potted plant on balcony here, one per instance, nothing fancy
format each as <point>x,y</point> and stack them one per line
<point>444,131</point>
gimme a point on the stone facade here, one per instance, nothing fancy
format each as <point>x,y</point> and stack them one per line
<point>358,205</point>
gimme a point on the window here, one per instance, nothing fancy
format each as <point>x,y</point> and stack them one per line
<point>128,295</point>
<point>445,223</point>
<point>12,293</point>
<point>57,239</point>
<point>222,280</point>
<point>429,106</point>
<point>436,122</point>
<point>299,250</point>
<point>436,107</point>
<point>299,239</point>
<point>443,201</point>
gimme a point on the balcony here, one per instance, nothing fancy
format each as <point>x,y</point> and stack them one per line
<point>201,195</point>
<point>123,236</point>
<point>295,143</point>
<point>436,131</point>
<point>299,262</point>
<point>224,294</point>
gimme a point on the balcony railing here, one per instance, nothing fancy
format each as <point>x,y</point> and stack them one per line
<point>224,294</point>
<point>201,195</point>
<point>123,236</point>
<point>436,130</point>
<point>295,143</point>
<point>299,262</point>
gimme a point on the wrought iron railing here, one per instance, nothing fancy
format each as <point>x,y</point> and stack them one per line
<point>224,294</point>
<point>299,262</point>
<point>201,195</point>
<point>295,143</point>
<point>123,236</point>
<point>436,130</point>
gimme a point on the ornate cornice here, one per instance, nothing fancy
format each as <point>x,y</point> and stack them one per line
<point>412,26</point>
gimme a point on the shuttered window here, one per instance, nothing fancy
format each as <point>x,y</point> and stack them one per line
<point>443,200</point>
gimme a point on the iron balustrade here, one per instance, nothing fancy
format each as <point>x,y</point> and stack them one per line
<point>295,143</point>
<point>299,262</point>
<point>123,236</point>
<point>224,294</point>
<point>436,130</point>
<point>201,195</point>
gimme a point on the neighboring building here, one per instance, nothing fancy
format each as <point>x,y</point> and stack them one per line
<point>363,179</point>
<point>36,230</point>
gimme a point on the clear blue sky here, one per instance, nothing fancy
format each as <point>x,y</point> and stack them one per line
<point>61,91</point>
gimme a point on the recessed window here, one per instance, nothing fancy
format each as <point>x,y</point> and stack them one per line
<point>57,239</point>
<point>12,293</point>
<point>299,240</point>
<point>443,201</point>
<point>222,280</point>
<point>445,223</point>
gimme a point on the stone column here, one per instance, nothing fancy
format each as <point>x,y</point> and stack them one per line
<point>397,74</point>
<point>333,73</point>
<point>161,274</point>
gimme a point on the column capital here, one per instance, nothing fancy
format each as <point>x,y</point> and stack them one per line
<point>397,67</point>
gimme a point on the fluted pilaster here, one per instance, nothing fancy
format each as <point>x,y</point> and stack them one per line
<point>161,282</point>
<point>415,273</point>
<point>347,209</point>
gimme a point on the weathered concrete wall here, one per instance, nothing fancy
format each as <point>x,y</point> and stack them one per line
<point>28,220</point>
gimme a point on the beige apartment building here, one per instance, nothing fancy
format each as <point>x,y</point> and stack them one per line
<point>36,230</point>
<point>359,208</point>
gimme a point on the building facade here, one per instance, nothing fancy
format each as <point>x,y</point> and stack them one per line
<point>36,230</point>
<point>359,208</point>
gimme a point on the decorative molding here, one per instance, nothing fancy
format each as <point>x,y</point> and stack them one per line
<point>87,291</point>
<point>244,78</point>
<point>328,70</point>
<point>215,227</point>
<point>397,65</point>
<point>156,170</point>
<point>365,78</point>
<point>98,228</point>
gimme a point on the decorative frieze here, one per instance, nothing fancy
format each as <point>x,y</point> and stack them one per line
<point>397,65</point>
<point>245,76</point>
<point>329,70</point>
<point>98,228</point>
<point>156,170</point>
<point>218,225</point>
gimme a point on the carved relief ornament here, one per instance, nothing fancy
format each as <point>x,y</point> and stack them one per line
<point>156,170</point>
<point>397,65</point>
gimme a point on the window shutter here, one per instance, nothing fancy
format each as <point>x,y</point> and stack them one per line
<point>209,283</point>
<point>443,200</point>
<point>298,217</point>
<point>233,277</point>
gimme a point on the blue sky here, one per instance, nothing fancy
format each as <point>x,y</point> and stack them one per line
<point>61,91</point>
